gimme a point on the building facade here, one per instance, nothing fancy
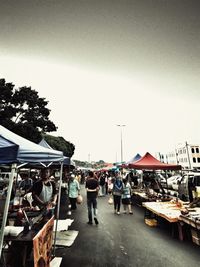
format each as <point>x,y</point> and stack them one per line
<point>187,155</point>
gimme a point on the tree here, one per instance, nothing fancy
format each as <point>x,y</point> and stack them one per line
<point>59,143</point>
<point>24,112</point>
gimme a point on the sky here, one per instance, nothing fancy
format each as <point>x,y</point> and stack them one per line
<point>106,63</point>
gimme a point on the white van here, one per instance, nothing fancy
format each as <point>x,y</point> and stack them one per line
<point>187,184</point>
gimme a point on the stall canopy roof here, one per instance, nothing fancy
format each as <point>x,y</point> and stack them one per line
<point>14,148</point>
<point>137,157</point>
<point>67,161</point>
<point>151,163</point>
<point>8,151</point>
<point>44,143</point>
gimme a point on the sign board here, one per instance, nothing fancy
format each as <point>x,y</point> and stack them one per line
<point>42,245</point>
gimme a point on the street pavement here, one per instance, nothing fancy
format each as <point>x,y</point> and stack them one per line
<point>124,241</point>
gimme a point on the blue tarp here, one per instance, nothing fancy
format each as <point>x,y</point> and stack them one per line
<point>14,148</point>
<point>137,157</point>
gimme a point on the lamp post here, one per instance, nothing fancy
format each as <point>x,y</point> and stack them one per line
<point>121,141</point>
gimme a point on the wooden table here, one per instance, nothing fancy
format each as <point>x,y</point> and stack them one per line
<point>21,245</point>
<point>192,218</point>
<point>168,211</point>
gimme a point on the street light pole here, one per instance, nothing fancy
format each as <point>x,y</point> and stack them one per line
<point>121,141</point>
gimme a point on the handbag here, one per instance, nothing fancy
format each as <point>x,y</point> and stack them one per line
<point>79,199</point>
<point>110,200</point>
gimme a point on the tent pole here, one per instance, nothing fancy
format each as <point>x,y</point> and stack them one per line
<point>5,214</point>
<point>58,207</point>
<point>166,181</point>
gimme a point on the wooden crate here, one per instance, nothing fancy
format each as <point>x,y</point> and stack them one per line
<point>151,222</point>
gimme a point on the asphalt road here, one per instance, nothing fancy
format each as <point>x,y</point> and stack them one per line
<point>125,240</point>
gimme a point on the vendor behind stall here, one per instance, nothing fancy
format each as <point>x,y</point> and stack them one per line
<point>26,183</point>
<point>44,191</point>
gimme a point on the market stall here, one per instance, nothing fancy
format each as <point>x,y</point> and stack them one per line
<point>17,151</point>
<point>148,162</point>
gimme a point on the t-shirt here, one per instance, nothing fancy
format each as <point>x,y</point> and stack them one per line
<point>102,180</point>
<point>37,187</point>
<point>73,189</point>
<point>126,191</point>
<point>92,183</point>
<point>26,184</point>
<point>117,187</point>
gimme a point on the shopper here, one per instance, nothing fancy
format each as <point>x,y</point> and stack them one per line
<point>74,191</point>
<point>102,184</point>
<point>117,192</point>
<point>126,196</point>
<point>92,187</point>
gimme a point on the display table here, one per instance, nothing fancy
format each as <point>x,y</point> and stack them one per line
<point>193,218</point>
<point>168,211</point>
<point>138,197</point>
<point>38,239</point>
<point>141,195</point>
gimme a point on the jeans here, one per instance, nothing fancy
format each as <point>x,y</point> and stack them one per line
<point>92,205</point>
<point>102,190</point>
<point>73,203</point>
<point>117,202</point>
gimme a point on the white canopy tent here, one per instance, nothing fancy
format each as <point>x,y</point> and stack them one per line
<point>16,149</point>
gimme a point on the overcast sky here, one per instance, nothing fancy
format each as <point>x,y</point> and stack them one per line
<point>103,63</point>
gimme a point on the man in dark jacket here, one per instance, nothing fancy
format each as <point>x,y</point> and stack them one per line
<point>92,188</point>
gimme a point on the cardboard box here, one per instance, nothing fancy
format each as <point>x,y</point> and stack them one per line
<point>151,222</point>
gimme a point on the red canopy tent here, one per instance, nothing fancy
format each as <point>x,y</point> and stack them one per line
<point>148,162</point>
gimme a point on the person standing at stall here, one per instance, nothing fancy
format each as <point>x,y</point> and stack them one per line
<point>92,188</point>
<point>26,184</point>
<point>44,192</point>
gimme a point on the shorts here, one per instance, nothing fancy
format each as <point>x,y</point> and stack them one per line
<point>126,201</point>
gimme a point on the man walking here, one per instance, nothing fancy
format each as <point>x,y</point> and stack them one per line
<point>92,188</point>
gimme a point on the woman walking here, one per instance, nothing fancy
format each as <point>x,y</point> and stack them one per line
<point>126,196</point>
<point>74,191</point>
<point>117,192</point>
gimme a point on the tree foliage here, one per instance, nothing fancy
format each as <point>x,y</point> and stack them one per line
<point>25,113</point>
<point>59,143</point>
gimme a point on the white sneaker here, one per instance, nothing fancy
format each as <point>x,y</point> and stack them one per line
<point>118,213</point>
